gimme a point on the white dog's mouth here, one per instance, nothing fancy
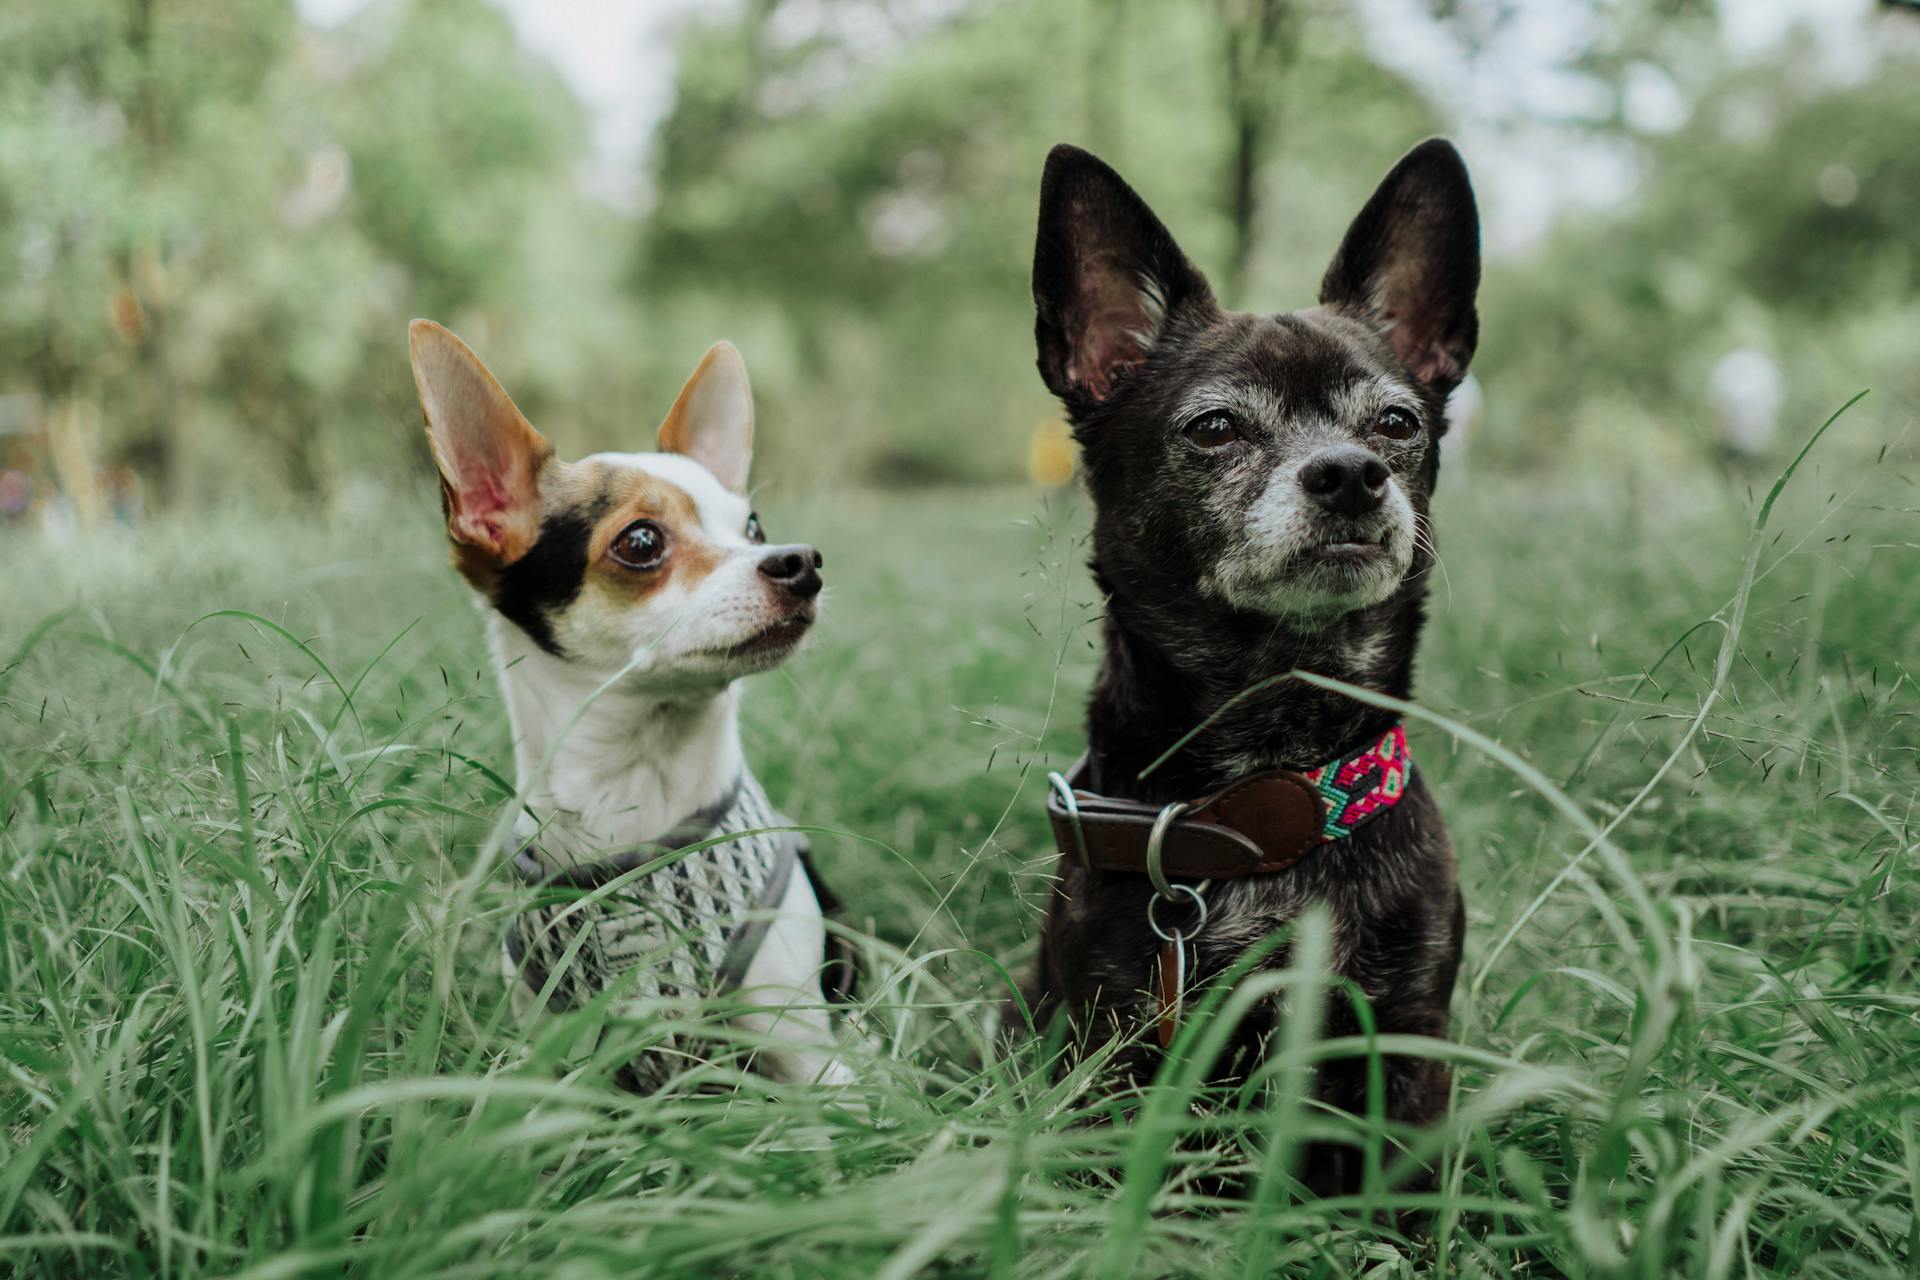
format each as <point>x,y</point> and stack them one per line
<point>771,642</point>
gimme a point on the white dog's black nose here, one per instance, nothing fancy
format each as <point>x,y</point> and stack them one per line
<point>1346,480</point>
<point>794,569</point>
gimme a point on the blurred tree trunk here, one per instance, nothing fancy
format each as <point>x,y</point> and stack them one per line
<point>281,411</point>
<point>69,414</point>
<point>143,320</point>
<point>1258,43</point>
<point>71,425</point>
<point>154,443</point>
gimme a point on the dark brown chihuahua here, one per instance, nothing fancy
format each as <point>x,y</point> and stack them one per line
<point>1261,487</point>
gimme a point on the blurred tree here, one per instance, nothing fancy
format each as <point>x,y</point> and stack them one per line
<point>456,135</point>
<point>867,174</point>
<point>1680,37</point>
<point>214,222</point>
<point>418,149</point>
<point>121,116</point>
<point>1260,42</point>
<point>1781,217</point>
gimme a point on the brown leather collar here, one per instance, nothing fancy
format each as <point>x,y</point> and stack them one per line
<point>1262,823</point>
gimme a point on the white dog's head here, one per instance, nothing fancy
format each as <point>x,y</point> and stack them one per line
<point>646,562</point>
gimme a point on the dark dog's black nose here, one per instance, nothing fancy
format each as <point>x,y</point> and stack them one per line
<point>795,570</point>
<point>1347,480</point>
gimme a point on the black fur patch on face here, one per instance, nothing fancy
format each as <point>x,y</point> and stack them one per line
<point>547,579</point>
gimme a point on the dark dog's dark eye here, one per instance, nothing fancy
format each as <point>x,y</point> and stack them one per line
<point>1213,430</point>
<point>1397,424</point>
<point>641,545</point>
<point>755,533</point>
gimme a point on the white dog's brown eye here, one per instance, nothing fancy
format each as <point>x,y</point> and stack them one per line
<point>1397,424</point>
<point>755,534</point>
<point>641,545</point>
<point>1213,430</point>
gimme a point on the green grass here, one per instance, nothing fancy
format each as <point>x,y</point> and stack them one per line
<point>251,1020</point>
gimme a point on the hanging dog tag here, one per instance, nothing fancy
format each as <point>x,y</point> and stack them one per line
<point>1173,986</point>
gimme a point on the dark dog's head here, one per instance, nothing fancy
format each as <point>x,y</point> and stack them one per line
<point>1271,466</point>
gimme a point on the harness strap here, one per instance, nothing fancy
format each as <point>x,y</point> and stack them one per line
<point>840,975</point>
<point>695,827</point>
<point>746,933</point>
<point>749,932</point>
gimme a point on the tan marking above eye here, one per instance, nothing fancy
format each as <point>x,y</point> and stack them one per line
<point>637,495</point>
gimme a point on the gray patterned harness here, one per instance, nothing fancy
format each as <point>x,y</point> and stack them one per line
<point>691,926</point>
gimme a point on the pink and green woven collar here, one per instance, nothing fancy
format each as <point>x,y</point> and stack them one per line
<point>1362,783</point>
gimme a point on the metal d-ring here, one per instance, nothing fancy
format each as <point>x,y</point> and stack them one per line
<point>1162,887</point>
<point>1178,935</point>
<point>1063,789</point>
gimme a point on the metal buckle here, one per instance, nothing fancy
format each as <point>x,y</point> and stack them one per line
<point>1064,790</point>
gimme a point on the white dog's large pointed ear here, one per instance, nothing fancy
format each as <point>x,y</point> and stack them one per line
<point>488,455</point>
<point>712,421</point>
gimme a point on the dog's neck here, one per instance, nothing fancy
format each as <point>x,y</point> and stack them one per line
<point>632,765</point>
<point>1159,682</point>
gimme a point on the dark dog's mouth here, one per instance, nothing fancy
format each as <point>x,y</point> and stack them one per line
<point>1349,548</point>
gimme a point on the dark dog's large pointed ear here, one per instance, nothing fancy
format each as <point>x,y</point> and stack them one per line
<point>1411,264</point>
<point>1107,277</point>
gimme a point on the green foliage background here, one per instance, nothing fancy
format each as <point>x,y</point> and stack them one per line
<point>215,220</point>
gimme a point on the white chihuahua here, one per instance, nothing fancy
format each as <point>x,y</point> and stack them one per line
<point>629,592</point>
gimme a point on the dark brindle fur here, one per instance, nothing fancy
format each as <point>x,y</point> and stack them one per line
<point>1213,563</point>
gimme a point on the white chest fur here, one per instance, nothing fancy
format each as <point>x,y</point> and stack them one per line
<point>607,767</point>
